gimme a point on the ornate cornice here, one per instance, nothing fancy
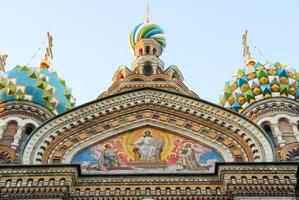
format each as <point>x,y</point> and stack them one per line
<point>228,181</point>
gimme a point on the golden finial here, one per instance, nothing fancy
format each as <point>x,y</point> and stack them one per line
<point>249,61</point>
<point>45,63</point>
<point>3,62</point>
<point>147,18</point>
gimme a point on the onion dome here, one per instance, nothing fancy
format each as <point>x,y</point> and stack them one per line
<point>39,85</point>
<point>257,82</point>
<point>147,31</point>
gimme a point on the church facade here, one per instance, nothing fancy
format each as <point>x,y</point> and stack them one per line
<point>148,136</point>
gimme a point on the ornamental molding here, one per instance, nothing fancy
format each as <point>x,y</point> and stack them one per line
<point>26,109</point>
<point>232,121</point>
<point>270,107</point>
<point>165,118</point>
<point>229,180</point>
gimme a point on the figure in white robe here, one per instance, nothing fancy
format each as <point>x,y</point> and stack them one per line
<point>148,147</point>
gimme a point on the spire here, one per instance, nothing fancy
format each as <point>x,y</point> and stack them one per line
<point>249,61</point>
<point>3,62</point>
<point>147,18</point>
<point>45,63</point>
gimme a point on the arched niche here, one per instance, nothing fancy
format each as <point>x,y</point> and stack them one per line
<point>285,126</point>
<point>286,129</point>
<point>266,126</point>
<point>27,131</point>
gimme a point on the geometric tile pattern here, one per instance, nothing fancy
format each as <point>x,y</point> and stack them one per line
<point>39,85</point>
<point>254,83</point>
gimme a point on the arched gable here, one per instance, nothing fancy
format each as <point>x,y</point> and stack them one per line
<point>59,139</point>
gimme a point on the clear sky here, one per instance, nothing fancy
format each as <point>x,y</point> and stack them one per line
<point>203,37</point>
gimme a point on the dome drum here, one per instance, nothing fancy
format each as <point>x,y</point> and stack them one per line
<point>147,47</point>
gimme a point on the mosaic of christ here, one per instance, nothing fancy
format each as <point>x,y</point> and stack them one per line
<point>147,150</point>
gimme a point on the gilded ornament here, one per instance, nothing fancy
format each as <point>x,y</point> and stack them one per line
<point>272,72</point>
<point>251,76</point>
<point>292,90</point>
<point>275,88</point>
<point>231,100</point>
<point>256,91</point>
<point>241,100</point>
<point>284,80</point>
<point>264,80</point>
<point>244,87</point>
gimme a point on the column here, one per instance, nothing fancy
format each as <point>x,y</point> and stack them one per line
<point>278,135</point>
<point>155,68</point>
<point>17,137</point>
<point>2,128</point>
<point>295,131</point>
<point>140,68</point>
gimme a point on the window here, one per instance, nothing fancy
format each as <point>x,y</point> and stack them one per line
<point>8,183</point>
<point>147,69</point>
<point>29,128</point>
<point>147,49</point>
<point>155,51</point>
<point>19,183</point>
<point>267,128</point>
<point>51,182</point>
<point>30,182</point>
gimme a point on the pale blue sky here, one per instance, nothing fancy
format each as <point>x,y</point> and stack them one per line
<point>203,37</point>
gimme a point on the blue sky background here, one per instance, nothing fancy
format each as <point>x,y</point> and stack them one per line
<point>203,37</point>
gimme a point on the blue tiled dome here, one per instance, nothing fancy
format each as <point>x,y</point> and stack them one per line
<point>39,85</point>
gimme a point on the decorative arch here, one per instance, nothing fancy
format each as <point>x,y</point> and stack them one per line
<point>104,117</point>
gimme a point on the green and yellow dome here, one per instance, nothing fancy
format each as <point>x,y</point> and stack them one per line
<point>40,85</point>
<point>257,82</point>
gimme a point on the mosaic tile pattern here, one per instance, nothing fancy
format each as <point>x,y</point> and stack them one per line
<point>254,83</point>
<point>39,85</point>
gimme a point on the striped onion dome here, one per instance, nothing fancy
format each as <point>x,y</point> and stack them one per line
<point>147,31</point>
